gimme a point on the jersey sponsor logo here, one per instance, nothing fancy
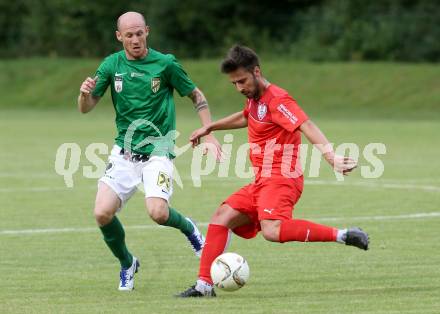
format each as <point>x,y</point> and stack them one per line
<point>120,74</point>
<point>164,181</point>
<point>261,111</point>
<point>155,84</point>
<point>286,112</point>
<point>118,83</point>
<point>136,74</point>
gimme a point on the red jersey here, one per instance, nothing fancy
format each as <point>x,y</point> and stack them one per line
<point>273,133</point>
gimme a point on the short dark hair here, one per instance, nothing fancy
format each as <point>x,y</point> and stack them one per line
<point>240,57</point>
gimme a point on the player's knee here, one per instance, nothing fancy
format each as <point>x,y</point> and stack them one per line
<point>102,216</point>
<point>220,216</point>
<point>271,233</point>
<point>158,211</point>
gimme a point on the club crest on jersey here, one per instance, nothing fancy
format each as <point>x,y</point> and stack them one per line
<point>118,83</point>
<point>155,84</point>
<point>261,111</point>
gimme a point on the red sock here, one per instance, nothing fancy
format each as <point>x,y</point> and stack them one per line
<point>306,231</point>
<point>215,243</point>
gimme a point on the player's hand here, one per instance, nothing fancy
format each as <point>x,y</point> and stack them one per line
<point>197,135</point>
<point>341,164</point>
<point>214,146</point>
<point>88,85</point>
<point>211,142</point>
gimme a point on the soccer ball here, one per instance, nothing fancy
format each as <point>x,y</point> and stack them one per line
<point>229,271</point>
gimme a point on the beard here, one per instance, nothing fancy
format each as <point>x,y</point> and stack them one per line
<point>256,93</point>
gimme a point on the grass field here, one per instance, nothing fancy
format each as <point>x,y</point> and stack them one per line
<point>330,90</point>
<point>53,259</point>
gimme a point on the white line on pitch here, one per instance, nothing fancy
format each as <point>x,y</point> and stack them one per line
<point>204,224</point>
<point>35,189</point>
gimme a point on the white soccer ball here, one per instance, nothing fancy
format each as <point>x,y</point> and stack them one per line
<point>229,271</point>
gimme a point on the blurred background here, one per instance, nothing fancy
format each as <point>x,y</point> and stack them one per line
<point>328,52</point>
<point>315,30</point>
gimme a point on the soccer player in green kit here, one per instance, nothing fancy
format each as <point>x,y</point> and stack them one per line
<point>142,82</point>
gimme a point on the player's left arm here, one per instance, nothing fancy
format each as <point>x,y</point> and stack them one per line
<point>179,80</point>
<point>315,136</point>
<point>201,106</point>
<point>286,113</point>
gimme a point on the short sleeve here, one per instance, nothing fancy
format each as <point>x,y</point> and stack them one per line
<point>287,114</point>
<point>104,78</point>
<point>178,78</point>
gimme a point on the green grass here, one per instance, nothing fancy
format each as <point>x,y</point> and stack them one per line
<point>73,272</point>
<point>331,90</point>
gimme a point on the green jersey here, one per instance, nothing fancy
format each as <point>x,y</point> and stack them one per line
<point>142,95</point>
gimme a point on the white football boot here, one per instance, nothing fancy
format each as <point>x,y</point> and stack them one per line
<point>196,239</point>
<point>127,276</point>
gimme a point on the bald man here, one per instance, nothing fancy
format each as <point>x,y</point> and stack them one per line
<point>142,81</point>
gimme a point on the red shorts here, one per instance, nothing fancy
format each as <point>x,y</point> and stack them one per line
<point>266,198</point>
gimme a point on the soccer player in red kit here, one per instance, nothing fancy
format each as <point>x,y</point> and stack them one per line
<point>275,123</point>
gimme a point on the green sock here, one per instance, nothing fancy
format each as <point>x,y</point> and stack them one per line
<point>114,237</point>
<point>178,221</point>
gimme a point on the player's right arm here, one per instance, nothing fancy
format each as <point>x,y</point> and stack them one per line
<point>234,121</point>
<point>92,89</point>
<point>86,100</point>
